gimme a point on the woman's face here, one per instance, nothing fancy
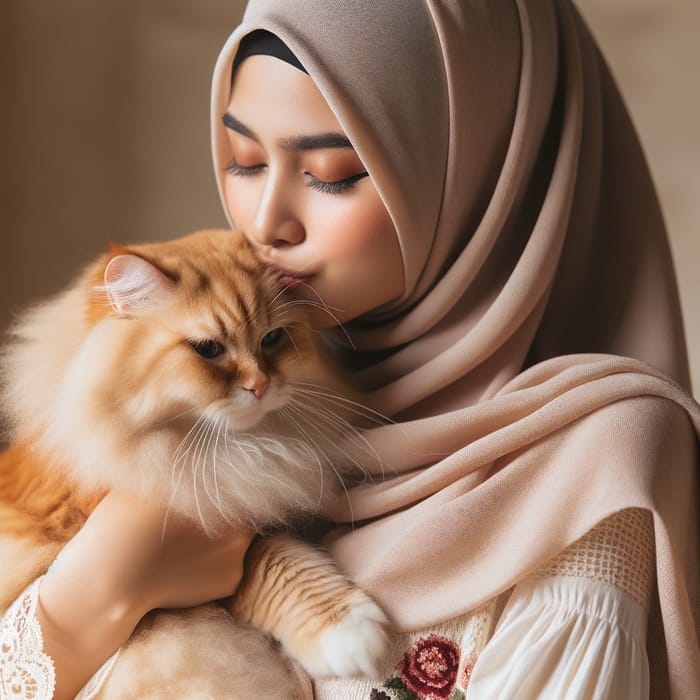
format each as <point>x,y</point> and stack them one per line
<point>298,191</point>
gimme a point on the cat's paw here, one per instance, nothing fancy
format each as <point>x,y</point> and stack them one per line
<point>355,646</point>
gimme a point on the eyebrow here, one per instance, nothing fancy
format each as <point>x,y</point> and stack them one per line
<point>292,143</point>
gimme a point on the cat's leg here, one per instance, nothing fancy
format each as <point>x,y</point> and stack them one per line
<point>295,592</point>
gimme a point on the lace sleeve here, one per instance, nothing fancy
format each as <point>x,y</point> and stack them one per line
<point>26,672</point>
<point>618,551</point>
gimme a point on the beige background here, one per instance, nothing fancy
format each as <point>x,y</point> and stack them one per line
<point>104,126</point>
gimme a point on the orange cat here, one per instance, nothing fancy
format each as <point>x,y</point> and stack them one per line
<point>180,371</point>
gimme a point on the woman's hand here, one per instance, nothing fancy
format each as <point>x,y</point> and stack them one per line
<point>120,565</point>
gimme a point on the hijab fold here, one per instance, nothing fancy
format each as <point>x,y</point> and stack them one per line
<point>534,369</point>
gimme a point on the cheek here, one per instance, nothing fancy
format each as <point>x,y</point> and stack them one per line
<point>366,241</point>
<point>357,229</point>
<point>241,202</point>
<point>163,399</point>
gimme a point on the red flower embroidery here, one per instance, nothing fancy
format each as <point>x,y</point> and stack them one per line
<point>430,667</point>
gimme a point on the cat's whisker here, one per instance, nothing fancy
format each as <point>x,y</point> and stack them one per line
<point>346,430</point>
<point>182,451</point>
<point>194,463</point>
<point>300,302</point>
<point>321,451</point>
<point>322,306</point>
<point>243,452</point>
<point>329,310</point>
<point>356,407</point>
<point>223,427</point>
<point>188,447</point>
<point>289,416</point>
<point>219,426</point>
<point>200,465</point>
<point>280,293</point>
<point>184,444</point>
<point>325,394</point>
<point>300,357</point>
<point>180,454</point>
<point>352,435</point>
<point>254,453</point>
<point>359,409</point>
<point>177,416</point>
<point>321,300</point>
<point>338,400</point>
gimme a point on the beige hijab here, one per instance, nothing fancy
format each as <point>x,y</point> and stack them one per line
<point>530,231</point>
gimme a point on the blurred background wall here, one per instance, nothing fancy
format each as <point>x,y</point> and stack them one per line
<point>104,127</point>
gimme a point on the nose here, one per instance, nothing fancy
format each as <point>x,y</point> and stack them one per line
<point>255,381</point>
<point>276,223</point>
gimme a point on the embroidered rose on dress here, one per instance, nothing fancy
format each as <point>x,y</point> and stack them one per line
<point>428,671</point>
<point>430,667</point>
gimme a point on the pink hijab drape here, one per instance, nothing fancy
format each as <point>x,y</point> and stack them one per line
<point>535,367</point>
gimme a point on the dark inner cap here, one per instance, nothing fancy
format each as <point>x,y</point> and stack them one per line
<point>263,43</point>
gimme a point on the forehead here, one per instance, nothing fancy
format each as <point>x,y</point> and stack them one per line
<point>274,98</point>
<point>227,305</point>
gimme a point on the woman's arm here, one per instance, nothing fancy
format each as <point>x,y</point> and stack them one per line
<point>577,628</point>
<point>120,565</point>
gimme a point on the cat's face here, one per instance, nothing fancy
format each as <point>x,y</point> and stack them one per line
<point>203,330</point>
<point>190,378</point>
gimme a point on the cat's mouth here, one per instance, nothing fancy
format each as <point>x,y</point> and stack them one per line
<point>242,412</point>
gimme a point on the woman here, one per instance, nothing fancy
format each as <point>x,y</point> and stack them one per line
<point>458,184</point>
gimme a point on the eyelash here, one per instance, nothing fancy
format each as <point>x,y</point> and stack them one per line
<point>234,168</point>
<point>336,187</point>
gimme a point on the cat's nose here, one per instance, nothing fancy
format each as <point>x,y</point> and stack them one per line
<point>256,383</point>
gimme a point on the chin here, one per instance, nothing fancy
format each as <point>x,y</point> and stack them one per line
<point>239,423</point>
<point>249,416</point>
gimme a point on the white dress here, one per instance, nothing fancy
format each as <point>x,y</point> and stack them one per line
<point>573,630</point>
<point>26,672</point>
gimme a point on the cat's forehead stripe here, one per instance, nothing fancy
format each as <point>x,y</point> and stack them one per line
<point>221,325</point>
<point>247,313</point>
<point>242,314</point>
<point>202,280</point>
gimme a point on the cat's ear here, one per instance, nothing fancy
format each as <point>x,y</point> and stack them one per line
<point>135,285</point>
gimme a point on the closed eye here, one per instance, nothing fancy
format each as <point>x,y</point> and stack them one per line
<point>235,168</point>
<point>337,186</point>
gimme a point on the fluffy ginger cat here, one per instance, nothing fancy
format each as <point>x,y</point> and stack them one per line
<point>182,372</point>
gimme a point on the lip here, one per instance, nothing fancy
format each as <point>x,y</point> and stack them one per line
<point>288,278</point>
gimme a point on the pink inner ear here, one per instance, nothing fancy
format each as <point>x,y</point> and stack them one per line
<point>134,285</point>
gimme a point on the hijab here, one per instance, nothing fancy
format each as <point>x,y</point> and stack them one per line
<point>534,368</point>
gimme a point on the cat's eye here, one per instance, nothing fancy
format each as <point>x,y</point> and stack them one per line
<point>208,349</point>
<point>272,338</point>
